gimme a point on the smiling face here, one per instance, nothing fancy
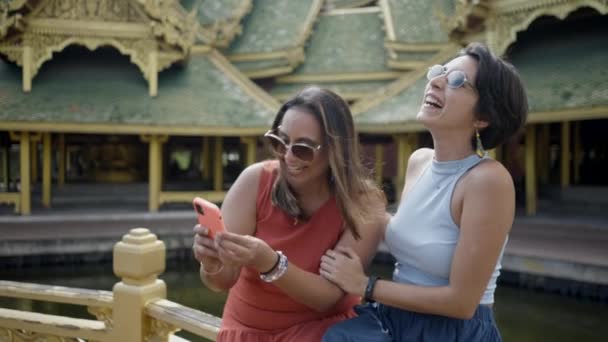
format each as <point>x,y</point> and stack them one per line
<point>444,107</point>
<point>299,126</point>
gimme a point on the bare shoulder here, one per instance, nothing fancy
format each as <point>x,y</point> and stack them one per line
<point>246,184</point>
<point>490,176</point>
<point>251,175</point>
<point>239,206</point>
<point>420,157</point>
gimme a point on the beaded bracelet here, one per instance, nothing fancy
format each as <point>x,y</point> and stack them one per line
<point>278,271</point>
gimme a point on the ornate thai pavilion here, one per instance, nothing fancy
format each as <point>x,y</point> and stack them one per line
<point>176,94</point>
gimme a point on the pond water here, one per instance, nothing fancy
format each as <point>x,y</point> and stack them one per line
<point>523,315</point>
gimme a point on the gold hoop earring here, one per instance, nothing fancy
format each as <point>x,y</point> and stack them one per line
<point>480,151</point>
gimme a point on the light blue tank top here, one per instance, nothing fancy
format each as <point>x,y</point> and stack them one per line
<point>422,235</point>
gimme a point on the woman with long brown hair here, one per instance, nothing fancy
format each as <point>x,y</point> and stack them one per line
<point>282,216</point>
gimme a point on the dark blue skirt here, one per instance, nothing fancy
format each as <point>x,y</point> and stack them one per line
<point>380,323</point>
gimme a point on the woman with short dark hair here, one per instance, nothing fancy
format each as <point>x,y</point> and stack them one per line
<point>283,215</point>
<point>450,230</point>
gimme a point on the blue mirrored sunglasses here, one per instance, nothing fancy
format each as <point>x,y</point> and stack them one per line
<point>455,78</point>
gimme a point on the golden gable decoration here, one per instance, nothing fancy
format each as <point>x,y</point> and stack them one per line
<point>153,33</point>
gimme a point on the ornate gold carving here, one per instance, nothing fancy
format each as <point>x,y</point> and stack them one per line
<point>173,23</point>
<point>19,335</point>
<point>8,18</point>
<point>97,10</point>
<point>102,314</point>
<point>5,334</point>
<point>159,331</point>
<point>44,46</point>
<point>13,54</point>
<point>503,28</point>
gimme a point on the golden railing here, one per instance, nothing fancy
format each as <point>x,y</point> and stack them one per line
<point>135,310</point>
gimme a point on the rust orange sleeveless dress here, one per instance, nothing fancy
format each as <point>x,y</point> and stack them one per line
<point>259,312</point>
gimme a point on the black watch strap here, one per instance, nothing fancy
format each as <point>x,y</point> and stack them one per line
<point>369,289</point>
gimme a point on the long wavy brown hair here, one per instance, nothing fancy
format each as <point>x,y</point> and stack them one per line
<point>359,198</point>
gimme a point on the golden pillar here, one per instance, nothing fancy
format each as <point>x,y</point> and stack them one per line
<point>218,163</point>
<point>46,170</point>
<point>33,160</point>
<point>406,143</point>
<point>531,193</point>
<point>61,160</point>
<point>24,171</point>
<point>250,149</point>
<point>565,155</point>
<point>379,165</point>
<point>154,169</point>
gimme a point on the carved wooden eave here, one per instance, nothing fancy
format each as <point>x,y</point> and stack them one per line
<point>512,16</point>
<point>153,33</point>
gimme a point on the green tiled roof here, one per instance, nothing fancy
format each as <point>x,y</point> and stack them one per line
<point>210,11</point>
<point>105,88</point>
<point>346,43</point>
<point>414,56</point>
<point>417,21</point>
<point>261,65</point>
<point>342,88</point>
<point>331,4</point>
<point>568,71</point>
<point>272,26</point>
<point>399,109</point>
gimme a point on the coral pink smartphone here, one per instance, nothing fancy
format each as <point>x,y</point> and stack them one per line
<point>209,215</point>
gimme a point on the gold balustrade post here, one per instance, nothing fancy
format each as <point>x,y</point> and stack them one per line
<point>531,192</point>
<point>138,260</point>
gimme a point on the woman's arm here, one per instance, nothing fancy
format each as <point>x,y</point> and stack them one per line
<point>488,204</point>
<point>239,215</point>
<point>305,287</point>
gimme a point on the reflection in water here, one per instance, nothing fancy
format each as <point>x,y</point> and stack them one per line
<point>522,315</point>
